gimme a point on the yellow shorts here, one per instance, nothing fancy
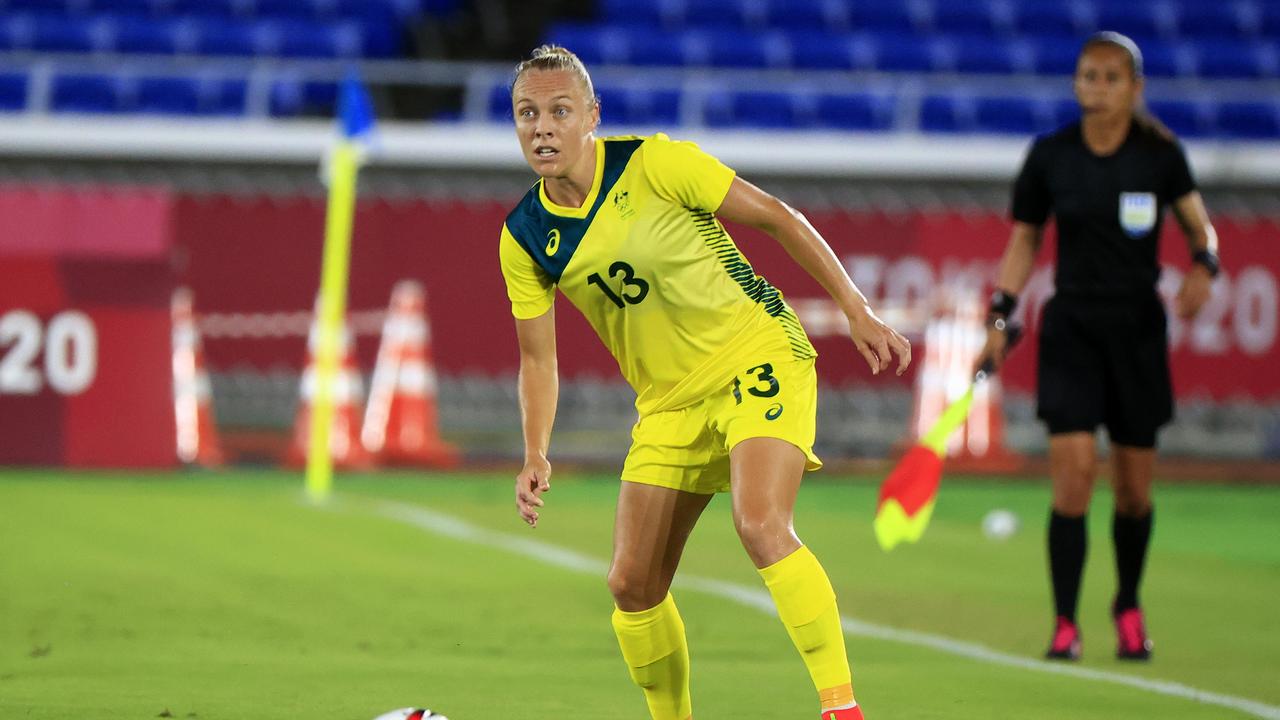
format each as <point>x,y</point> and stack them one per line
<point>688,449</point>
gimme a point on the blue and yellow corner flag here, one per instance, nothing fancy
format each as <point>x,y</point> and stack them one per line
<point>340,169</point>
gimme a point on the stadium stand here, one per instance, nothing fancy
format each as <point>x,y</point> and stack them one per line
<point>949,56</point>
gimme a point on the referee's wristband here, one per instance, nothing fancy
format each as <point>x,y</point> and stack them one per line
<point>1209,259</point>
<point>1002,303</point>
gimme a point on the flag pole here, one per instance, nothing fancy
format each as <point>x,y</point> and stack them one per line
<point>342,169</point>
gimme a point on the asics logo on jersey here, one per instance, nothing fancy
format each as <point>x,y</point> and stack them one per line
<point>553,241</point>
<point>774,411</point>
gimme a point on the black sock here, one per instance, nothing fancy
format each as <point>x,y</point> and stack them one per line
<point>1068,546</point>
<point>1131,535</point>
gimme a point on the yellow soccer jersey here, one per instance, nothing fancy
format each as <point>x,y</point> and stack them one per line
<point>653,271</point>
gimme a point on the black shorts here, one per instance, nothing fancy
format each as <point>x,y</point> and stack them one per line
<point>1105,362</point>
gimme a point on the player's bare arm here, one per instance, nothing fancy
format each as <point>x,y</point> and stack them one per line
<point>877,342</point>
<point>539,389</point>
<point>1197,284</point>
<point>1015,270</point>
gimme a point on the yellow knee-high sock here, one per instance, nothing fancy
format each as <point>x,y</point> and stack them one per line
<point>807,605</point>
<point>654,648</point>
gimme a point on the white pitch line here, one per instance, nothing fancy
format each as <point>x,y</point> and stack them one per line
<point>759,599</point>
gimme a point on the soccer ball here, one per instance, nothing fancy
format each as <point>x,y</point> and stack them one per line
<point>999,525</point>
<point>411,714</point>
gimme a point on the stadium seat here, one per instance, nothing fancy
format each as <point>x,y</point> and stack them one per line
<point>1141,21</point>
<point>293,9</point>
<point>1055,55</point>
<point>861,111</point>
<point>85,94</point>
<point>1249,120</point>
<point>595,45</point>
<point>122,7</point>
<point>752,108</point>
<point>1237,59</point>
<point>1212,20</point>
<point>210,8</point>
<point>887,16</point>
<point>1186,118</point>
<point>1162,58</point>
<point>154,37</point>
<point>968,18</point>
<point>736,49</point>
<point>822,51</point>
<point>629,12</point>
<point>1047,19</point>
<point>499,107</point>
<point>225,37</point>
<point>712,13</point>
<point>190,96</point>
<point>57,7</point>
<point>291,97</point>
<point>13,92</point>
<point>802,15</point>
<point>1012,116</point>
<point>649,47</point>
<point>639,107</point>
<point>57,33</point>
<point>1065,111</point>
<point>973,54</point>
<point>1269,23</point>
<point>947,114</point>
<point>318,39</point>
<point>904,53</point>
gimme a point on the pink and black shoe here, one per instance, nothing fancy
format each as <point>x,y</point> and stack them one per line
<point>849,713</point>
<point>1066,641</point>
<point>1132,642</point>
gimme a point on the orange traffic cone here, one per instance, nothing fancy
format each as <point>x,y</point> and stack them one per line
<point>400,425</point>
<point>198,442</point>
<point>953,339</point>
<point>348,388</point>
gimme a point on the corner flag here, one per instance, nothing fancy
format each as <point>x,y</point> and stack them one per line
<point>355,116</point>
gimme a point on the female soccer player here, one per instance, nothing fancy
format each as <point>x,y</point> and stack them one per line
<point>628,228</point>
<point>1103,345</point>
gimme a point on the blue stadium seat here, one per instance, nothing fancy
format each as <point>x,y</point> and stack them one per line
<point>295,9</point>
<point>735,49</point>
<point>1011,115</point>
<point>1065,111</point>
<point>85,94</point>
<point>649,47</point>
<point>752,108</point>
<point>499,109</point>
<point>1236,59</point>
<point>57,7</point>
<point>168,96</point>
<point>1270,22</point>
<point>975,54</point>
<point>290,97</point>
<point>1141,21</point>
<point>892,16</point>
<point>153,37</point>
<point>801,15</point>
<point>972,17</point>
<point>595,45</point>
<point>947,114</point>
<point>732,13</point>
<point>860,111</point>
<point>639,106</point>
<point>210,8</point>
<point>903,53</point>
<point>318,40</point>
<point>1167,59</point>
<point>13,92</point>
<point>1056,55</point>
<point>1249,120</point>
<point>1186,118</point>
<point>122,7</point>
<point>630,12</point>
<point>821,51</point>
<point>1211,20</point>
<point>56,33</point>
<point>226,37</point>
<point>1046,19</point>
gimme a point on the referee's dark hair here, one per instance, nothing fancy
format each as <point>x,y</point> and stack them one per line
<point>1141,115</point>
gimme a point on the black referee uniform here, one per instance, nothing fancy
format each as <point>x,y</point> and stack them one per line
<point>1104,356</point>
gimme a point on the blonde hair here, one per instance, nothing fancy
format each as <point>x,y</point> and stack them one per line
<point>556,57</point>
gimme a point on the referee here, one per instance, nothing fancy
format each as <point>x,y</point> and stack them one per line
<point>1103,356</point>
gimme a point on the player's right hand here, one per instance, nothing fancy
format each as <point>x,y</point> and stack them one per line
<point>994,350</point>
<point>533,480</point>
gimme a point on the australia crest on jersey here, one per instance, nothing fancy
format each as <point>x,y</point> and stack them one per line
<point>1138,212</point>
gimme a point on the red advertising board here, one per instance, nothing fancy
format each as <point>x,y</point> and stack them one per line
<point>85,371</point>
<point>263,255</point>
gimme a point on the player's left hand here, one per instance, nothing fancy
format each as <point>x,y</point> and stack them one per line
<point>1197,286</point>
<point>876,341</point>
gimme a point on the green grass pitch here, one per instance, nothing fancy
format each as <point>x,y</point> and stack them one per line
<point>217,596</point>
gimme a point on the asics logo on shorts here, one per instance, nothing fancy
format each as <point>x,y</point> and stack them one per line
<point>774,411</point>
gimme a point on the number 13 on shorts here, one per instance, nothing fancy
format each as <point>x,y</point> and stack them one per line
<point>775,399</point>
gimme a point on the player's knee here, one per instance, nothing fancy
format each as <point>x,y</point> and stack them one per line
<point>764,536</point>
<point>1132,501</point>
<point>635,591</point>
